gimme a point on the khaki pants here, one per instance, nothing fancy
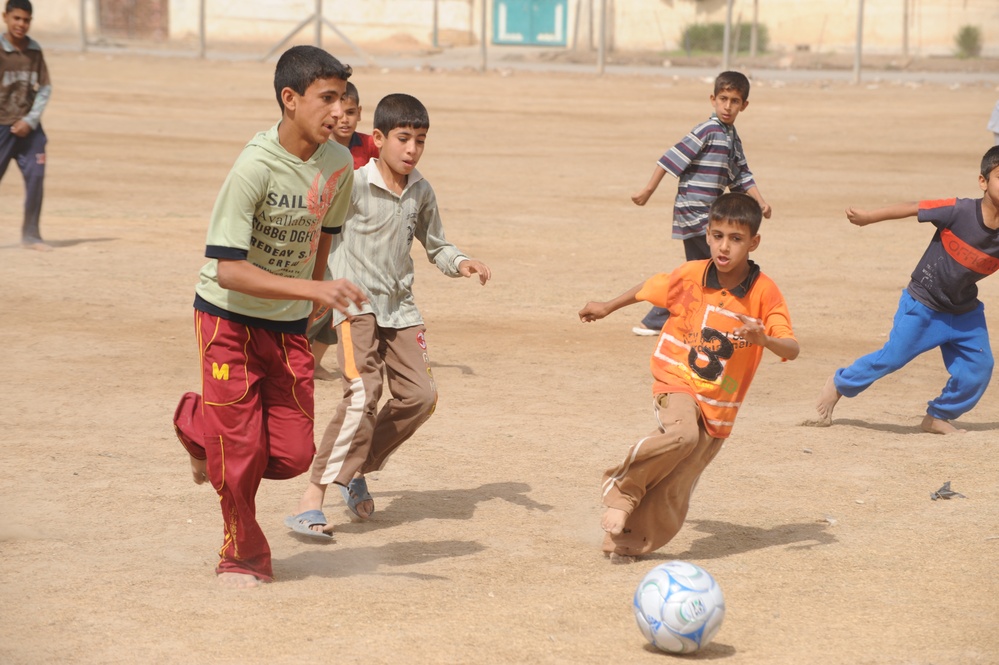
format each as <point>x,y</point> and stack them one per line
<point>361,437</point>
<point>655,482</point>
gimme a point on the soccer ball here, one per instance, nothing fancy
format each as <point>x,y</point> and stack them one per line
<point>679,607</point>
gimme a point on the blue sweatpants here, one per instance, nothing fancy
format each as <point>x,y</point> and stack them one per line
<point>29,152</point>
<point>964,344</point>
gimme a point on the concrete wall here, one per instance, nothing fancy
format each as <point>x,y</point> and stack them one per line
<point>822,26</point>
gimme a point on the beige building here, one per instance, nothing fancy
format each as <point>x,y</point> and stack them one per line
<point>925,27</point>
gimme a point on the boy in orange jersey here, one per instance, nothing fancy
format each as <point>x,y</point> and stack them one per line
<point>723,313</point>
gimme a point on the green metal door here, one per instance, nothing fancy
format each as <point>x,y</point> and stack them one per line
<point>530,22</point>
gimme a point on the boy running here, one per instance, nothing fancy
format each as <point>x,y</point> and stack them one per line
<point>269,235</point>
<point>940,307</point>
<point>722,313</point>
<point>390,206</point>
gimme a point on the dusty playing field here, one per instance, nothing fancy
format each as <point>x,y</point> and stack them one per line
<point>484,547</point>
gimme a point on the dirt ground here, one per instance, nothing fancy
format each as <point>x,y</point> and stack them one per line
<point>484,547</point>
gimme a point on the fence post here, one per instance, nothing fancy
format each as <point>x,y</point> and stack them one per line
<point>860,41</point>
<point>202,45</point>
<point>83,25</point>
<point>319,23</point>
<point>726,47</point>
<point>602,39</point>
<point>485,11</point>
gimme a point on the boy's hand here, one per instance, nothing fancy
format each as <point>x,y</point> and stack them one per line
<point>752,330</point>
<point>471,267</point>
<point>767,210</point>
<point>594,311</point>
<point>859,217</point>
<point>642,197</point>
<point>338,294</point>
<point>20,128</point>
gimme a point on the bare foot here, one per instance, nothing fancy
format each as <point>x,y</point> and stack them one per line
<point>238,581</point>
<point>323,374</point>
<point>939,426</point>
<point>613,521</point>
<point>199,469</point>
<point>38,246</point>
<point>826,403</point>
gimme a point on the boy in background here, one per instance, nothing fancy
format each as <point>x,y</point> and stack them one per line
<point>362,148</point>
<point>723,312</point>
<point>708,160</point>
<point>25,89</point>
<point>940,306</point>
<point>390,206</point>
<point>268,238</point>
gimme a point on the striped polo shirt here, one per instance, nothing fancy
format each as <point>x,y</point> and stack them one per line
<point>707,161</point>
<point>373,251</point>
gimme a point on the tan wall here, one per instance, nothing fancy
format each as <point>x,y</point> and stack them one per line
<point>819,25</point>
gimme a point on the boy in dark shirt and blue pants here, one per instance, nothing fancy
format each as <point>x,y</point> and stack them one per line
<point>940,307</point>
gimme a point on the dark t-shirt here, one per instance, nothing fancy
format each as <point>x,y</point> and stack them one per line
<point>962,252</point>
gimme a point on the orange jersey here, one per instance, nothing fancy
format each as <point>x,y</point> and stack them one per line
<point>697,352</point>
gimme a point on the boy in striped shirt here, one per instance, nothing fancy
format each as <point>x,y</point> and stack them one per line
<point>723,312</point>
<point>391,204</point>
<point>706,162</point>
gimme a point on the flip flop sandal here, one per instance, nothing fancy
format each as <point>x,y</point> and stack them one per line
<point>303,522</point>
<point>356,492</point>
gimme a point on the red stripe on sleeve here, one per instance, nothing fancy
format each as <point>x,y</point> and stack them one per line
<point>939,203</point>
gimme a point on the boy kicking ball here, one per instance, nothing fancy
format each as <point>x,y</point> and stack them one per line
<point>723,313</point>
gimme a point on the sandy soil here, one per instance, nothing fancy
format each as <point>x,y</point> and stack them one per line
<point>484,548</point>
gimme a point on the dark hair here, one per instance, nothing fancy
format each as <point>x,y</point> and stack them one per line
<point>352,94</point>
<point>400,110</point>
<point>733,81</point>
<point>737,208</point>
<point>19,4</point>
<point>990,161</point>
<point>301,66</point>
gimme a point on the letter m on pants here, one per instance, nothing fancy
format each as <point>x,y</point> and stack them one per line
<point>221,373</point>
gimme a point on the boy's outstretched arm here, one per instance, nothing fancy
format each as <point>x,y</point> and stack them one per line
<point>754,191</point>
<point>752,331</point>
<point>861,217</point>
<point>470,267</point>
<point>594,311</point>
<point>642,196</point>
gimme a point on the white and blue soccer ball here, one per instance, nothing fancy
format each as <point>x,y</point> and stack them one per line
<point>679,607</point>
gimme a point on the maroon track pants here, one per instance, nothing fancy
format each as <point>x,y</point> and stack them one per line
<point>252,420</point>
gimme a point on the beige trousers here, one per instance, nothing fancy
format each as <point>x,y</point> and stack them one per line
<point>361,436</point>
<point>657,478</point>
